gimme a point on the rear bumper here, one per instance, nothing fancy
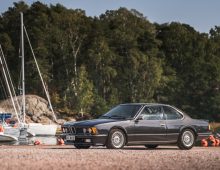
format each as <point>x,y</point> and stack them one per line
<point>201,136</point>
<point>87,140</point>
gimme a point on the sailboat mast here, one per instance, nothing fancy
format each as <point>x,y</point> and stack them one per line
<point>22,63</point>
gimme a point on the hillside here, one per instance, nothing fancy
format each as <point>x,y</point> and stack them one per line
<point>90,64</point>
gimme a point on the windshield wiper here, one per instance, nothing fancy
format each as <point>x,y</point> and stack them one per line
<point>105,117</point>
<point>117,117</point>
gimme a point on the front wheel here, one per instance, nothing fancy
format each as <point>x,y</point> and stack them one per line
<point>79,146</point>
<point>151,146</point>
<point>186,139</point>
<point>116,139</point>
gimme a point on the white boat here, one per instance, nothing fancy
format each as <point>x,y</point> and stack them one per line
<point>39,129</point>
<point>12,131</point>
<point>7,138</point>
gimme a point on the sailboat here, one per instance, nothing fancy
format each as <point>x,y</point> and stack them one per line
<point>34,128</point>
<point>7,132</point>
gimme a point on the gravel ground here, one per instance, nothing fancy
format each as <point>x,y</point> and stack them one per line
<point>67,157</point>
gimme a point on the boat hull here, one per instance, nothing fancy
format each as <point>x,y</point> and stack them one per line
<point>7,138</point>
<point>39,129</point>
<point>12,131</point>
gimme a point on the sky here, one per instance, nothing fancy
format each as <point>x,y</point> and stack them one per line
<point>200,14</point>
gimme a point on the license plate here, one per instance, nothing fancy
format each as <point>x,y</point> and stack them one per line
<point>70,137</point>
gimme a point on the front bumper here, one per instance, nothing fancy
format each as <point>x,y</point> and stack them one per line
<point>201,136</point>
<point>88,140</point>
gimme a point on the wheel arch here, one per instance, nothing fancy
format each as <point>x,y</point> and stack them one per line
<point>190,128</point>
<point>120,128</point>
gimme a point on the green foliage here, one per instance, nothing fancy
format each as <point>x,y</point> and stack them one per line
<point>91,64</point>
<point>84,91</point>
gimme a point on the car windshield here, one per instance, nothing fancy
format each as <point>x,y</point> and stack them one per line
<point>122,112</point>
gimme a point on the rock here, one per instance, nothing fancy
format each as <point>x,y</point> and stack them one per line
<point>34,118</point>
<point>61,121</point>
<point>37,109</point>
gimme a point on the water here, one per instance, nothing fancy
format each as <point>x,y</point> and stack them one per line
<point>44,140</point>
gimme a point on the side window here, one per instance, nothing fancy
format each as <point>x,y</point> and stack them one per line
<point>171,114</point>
<point>152,113</point>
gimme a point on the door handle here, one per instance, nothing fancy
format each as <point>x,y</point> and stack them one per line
<point>162,124</point>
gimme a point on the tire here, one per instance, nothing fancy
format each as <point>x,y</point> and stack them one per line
<point>116,139</point>
<point>151,146</point>
<point>186,139</point>
<point>79,146</point>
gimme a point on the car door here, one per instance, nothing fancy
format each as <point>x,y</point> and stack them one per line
<point>174,121</point>
<point>149,126</point>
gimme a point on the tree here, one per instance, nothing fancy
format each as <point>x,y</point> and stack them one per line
<point>81,96</point>
<point>92,63</point>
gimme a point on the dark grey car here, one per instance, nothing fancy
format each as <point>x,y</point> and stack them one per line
<point>137,124</point>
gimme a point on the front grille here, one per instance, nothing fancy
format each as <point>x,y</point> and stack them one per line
<point>70,129</point>
<point>79,130</point>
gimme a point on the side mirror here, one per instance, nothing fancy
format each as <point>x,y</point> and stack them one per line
<point>140,117</point>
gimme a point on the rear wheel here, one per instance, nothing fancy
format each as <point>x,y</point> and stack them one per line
<point>151,146</point>
<point>79,146</point>
<point>116,139</point>
<point>186,139</point>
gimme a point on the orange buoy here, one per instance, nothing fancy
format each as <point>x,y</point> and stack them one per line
<point>60,141</point>
<point>204,142</point>
<point>211,137</point>
<point>1,129</point>
<point>212,142</point>
<point>37,142</point>
<point>217,142</point>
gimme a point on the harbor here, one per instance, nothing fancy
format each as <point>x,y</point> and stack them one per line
<point>43,140</point>
<point>14,127</point>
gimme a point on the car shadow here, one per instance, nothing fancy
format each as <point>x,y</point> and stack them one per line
<point>126,148</point>
<point>164,148</point>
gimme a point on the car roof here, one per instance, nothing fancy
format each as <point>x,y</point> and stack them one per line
<point>147,104</point>
<point>157,104</point>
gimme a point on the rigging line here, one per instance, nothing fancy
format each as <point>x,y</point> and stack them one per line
<point>15,109</point>
<point>5,95</point>
<point>3,81</point>
<point>3,89</point>
<point>10,80</point>
<point>44,86</point>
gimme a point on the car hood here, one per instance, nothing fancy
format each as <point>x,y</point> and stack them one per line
<point>89,123</point>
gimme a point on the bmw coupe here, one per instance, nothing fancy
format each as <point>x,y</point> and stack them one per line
<point>137,124</point>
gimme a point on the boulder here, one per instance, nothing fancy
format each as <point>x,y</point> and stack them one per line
<point>37,109</point>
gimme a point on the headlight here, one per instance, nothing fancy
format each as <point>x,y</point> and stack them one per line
<point>63,129</point>
<point>84,130</point>
<point>91,130</point>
